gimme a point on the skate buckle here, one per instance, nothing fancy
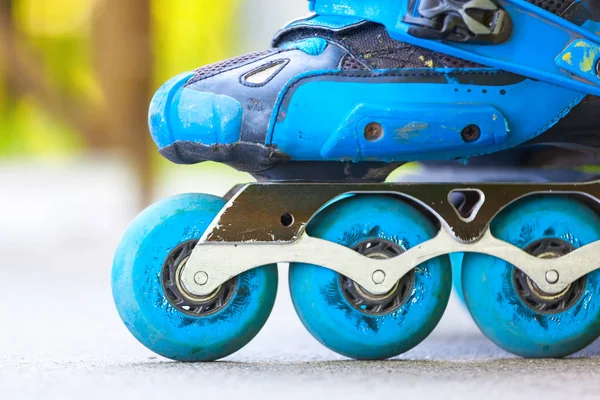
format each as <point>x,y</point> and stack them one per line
<point>473,21</point>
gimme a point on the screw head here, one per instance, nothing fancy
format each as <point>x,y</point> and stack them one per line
<point>471,133</point>
<point>552,276</point>
<point>373,132</point>
<point>378,277</point>
<point>201,278</point>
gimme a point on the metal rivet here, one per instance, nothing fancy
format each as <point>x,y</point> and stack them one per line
<point>552,276</point>
<point>201,278</point>
<point>378,277</point>
<point>471,133</point>
<point>373,131</point>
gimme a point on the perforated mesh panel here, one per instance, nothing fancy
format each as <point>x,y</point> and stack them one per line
<point>382,52</point>
<point>351,64</point>
<point>216,68</point>
<point>554,6</point>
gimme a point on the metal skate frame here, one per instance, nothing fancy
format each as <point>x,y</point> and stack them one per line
<point>265,223</point>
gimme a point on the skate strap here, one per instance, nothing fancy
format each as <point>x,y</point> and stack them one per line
<point>512,35</point>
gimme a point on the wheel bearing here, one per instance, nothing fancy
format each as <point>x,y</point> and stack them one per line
<point>375,304</point>
<point>181,298</point>
<point>534,297</point>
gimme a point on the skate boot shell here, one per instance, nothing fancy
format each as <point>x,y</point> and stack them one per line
<point>343,98</point>
<point>346,93</point>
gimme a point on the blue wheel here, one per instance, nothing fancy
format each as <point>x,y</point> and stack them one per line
<point>154,304</point>
<point>509,308</point>
<point>345,317</point>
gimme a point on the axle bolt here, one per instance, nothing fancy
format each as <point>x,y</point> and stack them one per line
<point>201,278</point>
<point>378,277</point>
<point>552,276</point>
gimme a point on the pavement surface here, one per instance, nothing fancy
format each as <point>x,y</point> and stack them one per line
<point>61,338</point>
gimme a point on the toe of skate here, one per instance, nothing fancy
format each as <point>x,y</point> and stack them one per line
<point>181,114</point>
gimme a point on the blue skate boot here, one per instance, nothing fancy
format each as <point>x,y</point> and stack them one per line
<point>345,94</point>
<point>341,99</point>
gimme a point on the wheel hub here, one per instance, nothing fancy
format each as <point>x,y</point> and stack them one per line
<point>182,298</point>
<point>377,304</point>
<point>185,291</point>
<point>536,298</point>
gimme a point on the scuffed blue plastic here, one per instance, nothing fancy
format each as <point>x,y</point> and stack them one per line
<point>537,39</point>
<point>581,58</point>
<point>141,301</point>
<point>182,114</point>
<point>313,107</point>
<point>328,315</point>
<point>489,289</point>
<point>411,129</point>
<point>160,106</point>
<point>311,46</point>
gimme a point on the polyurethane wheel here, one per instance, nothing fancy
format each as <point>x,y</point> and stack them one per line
<point>345,317</point>
<point>155,306</point>
<point>509,308</point>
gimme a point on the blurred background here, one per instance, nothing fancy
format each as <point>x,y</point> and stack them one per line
<point>76,79</point>
<point>76,76</point>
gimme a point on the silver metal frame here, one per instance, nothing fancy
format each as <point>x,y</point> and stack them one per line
<point>248,234</point>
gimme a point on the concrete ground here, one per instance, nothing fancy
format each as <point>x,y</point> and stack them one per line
<point>61,338</point>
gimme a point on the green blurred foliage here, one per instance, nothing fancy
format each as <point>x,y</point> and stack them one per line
<point>185,34</point>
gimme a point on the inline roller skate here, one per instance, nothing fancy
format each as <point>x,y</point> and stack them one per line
<point>343,98</point>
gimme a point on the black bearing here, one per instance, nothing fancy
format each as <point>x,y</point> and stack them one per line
<point>186,302</point>
<point>532,295</point>
<point>373,304</point>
